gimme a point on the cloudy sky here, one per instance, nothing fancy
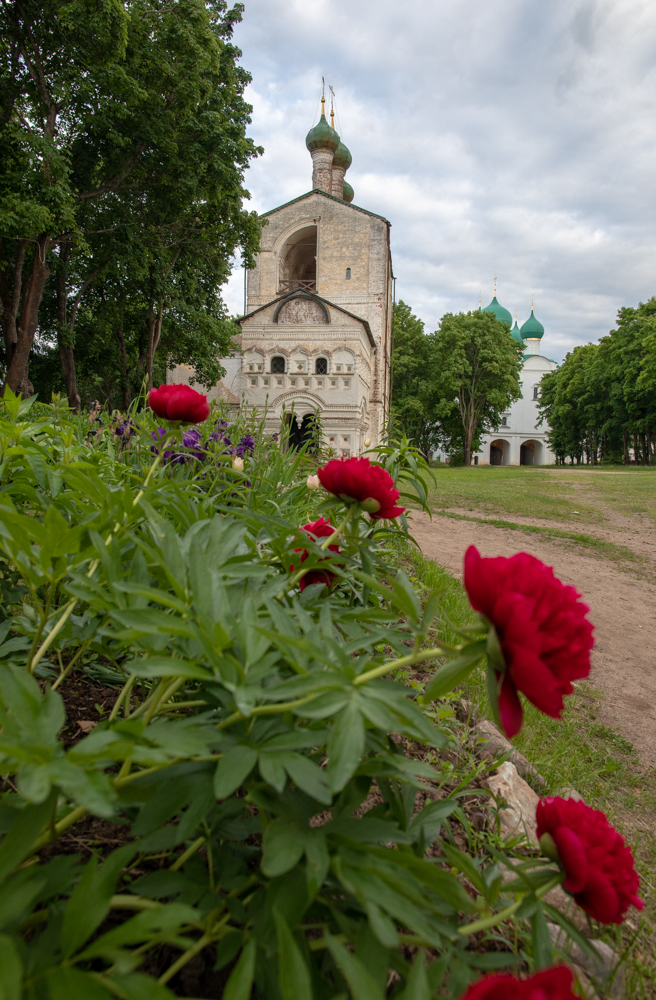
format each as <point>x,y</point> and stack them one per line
<point>508,137</point>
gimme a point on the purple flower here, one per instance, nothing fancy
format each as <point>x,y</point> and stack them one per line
<point>247,443</point>
<point>191,438</point>
<point>158,434</point>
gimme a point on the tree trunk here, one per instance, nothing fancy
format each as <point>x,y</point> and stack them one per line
<point>64,333</point>
<point>154,334</point>
<point>626,458</point>
<point>125,381</point>
<point>18,378</point>
<point>650,450</point>
<point>643,444</point>
<point>10,294</point>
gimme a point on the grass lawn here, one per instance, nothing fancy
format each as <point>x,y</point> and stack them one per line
<point>571,495</point>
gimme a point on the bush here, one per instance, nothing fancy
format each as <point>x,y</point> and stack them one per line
<point>256,767</point>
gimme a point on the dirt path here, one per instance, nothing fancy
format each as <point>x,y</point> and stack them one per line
<point>623,609</point>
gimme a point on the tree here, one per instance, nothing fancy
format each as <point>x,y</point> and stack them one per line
<point>477,366</point>
<point>413,380</point>
<point>601,402</point>
<point>123,141</point>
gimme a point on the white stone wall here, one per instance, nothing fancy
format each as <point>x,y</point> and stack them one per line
<point>341,395</point>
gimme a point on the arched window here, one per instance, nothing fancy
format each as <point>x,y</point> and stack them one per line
<point>321,366</point>
<point>536,392</point>
<point>348,273</point>
<point>278,365</point>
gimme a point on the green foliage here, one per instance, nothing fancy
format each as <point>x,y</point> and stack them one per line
<point>601,402</point>
<point>123,153</point>
<point>252,720</point>
<point>451,386</point>
<point>414,380</point>
<point>479,365</point>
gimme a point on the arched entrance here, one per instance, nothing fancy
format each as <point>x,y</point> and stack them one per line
<point>499,452</point>
<point>301,431</point>
<point>530,453</point>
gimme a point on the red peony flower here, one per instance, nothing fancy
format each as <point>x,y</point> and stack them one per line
<point>317,529</point>
<point>356,480</point>
<point>179,402</point>
<point>597,862</point>
<point>550,984</point>
<point>540,623</point>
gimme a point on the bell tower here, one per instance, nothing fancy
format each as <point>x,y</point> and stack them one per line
<point>316,336</point>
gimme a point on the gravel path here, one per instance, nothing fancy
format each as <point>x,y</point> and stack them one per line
<point>623,609</point>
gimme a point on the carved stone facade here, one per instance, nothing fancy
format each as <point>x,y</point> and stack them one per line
<point>316,336</point>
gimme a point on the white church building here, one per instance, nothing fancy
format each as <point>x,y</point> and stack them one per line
<point>521,439</point>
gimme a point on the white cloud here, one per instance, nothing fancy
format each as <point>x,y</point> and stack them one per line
<point>515,137</point>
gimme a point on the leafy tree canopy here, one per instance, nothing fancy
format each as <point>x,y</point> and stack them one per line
<point>479,365</point>
<point>123,152</point>
<point>451,386</point>
<point>601,402</point>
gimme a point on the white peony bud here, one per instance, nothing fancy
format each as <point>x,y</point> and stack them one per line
<point>238,464</point>
<point>367,442</point>
<point>312,482</point>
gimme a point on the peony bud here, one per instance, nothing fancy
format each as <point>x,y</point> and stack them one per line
<point>238,464</point>
<point>370,505</point>
<point>548,847</point>
<point>312,482</point>
<point>367,442</point>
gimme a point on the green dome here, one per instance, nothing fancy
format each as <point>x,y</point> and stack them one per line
<point>516,332</point>
<point>500,313</point>
<point>322,136</point>
<point>532,329</point>
<point>348,192</point>
<point>342,157</point>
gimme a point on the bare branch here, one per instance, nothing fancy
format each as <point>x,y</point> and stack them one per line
<point>113,184</point>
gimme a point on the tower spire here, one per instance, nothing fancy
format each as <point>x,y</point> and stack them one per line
<point>332,106</point>
<point>323,97</point>
<point>495,286</point>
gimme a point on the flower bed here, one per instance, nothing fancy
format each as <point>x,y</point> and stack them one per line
<point>257,812</point>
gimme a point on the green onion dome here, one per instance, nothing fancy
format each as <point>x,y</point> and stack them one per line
<point>342,157</point>
<point>499,312</point>
<point>348,192</point>
<point>322,136</point>
<point>532,329</point>
<point>517,333</point>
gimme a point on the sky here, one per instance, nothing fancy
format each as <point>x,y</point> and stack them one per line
<point>507,137</point>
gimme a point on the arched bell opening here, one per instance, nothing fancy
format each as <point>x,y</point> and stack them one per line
<point>298,261</point>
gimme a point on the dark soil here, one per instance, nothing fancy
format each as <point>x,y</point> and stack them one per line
<point>84,702</point>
